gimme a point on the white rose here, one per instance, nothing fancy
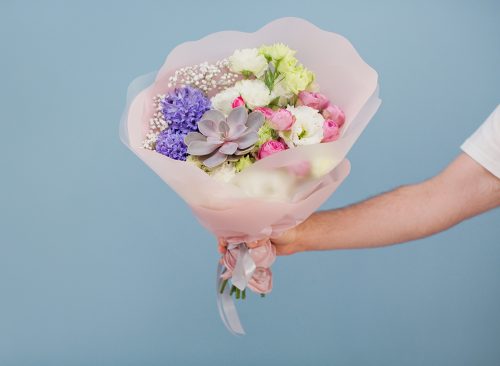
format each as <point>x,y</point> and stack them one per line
<point>254,92</point>
<point>248,60</point>
<point>307,128</point>
<point>223,100</point>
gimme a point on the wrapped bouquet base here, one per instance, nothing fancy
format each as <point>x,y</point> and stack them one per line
<point>252,131</point>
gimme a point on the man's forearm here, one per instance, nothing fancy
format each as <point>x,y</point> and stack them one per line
<point>463,190</point>
<point>394,217</point>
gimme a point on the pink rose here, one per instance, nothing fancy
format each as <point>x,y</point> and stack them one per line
<point>238,102</point>
<point>264,255</point>
<point>334,113</point>
<point>331,131</point>
<point>261,281</point>
<point>282,120</point>
<point>229,261</point>
<point>267,112</point>
<point>270,147</point>
<point>314,100</point>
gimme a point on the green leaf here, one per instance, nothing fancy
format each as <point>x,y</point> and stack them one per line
<point>269,79</point>
<point>275,101</point>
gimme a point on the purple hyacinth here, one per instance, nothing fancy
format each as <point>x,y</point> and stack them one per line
<point>184,107</point>
<point>171,143</point>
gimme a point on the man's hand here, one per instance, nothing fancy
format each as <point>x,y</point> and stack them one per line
<point>285,244</point>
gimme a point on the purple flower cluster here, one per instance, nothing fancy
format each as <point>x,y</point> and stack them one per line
<point>184,107</point>
<point>171,143</point>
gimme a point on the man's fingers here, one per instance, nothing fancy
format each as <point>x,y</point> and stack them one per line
<point>258,243</point>
<point>222,245</point>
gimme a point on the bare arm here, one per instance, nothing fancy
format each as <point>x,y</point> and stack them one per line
<point>464,189</point>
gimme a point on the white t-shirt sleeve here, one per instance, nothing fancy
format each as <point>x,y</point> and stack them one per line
<point>484,144</point>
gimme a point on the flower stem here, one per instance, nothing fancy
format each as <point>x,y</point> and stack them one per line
<point>223,286</point>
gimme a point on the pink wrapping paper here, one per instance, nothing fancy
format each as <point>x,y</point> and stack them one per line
<point>239,210</point>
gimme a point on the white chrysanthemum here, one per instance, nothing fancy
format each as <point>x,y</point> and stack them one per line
<point>254,92</point>
<point>224,172</point>
<point>307,128</point>
<point>223,101</point>
<point>248,60</point>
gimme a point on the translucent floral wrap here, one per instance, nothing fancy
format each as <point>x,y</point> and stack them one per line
<point>269,196</point>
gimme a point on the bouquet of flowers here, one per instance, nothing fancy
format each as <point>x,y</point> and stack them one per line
<point>255,138</point>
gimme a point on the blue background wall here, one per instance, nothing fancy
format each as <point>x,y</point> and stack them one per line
<point>102,264</point>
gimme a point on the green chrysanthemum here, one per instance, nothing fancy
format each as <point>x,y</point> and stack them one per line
<point>266,133</point>
<point>277,51</point>
<point>243,163</point>
<point>298,79</point>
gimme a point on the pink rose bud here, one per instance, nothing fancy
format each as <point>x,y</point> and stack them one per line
<point>281,120</point>
<point>300,169</point>
<point>238,102</point>
<point>267,112</point>
<point>229,261</point>
<point>314,100</point>
<point>264,255</point>
<point>331,131</point>
<point>335,114</point>
<point>270,147</point>
<point>261,281</point>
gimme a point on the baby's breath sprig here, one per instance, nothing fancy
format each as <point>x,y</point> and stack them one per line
<point>205,76</point>
<point>157,124</point>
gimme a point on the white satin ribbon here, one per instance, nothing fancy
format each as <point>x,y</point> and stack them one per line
<point>227,309</point>
<point>244,268</point>
<point>242,273</point>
